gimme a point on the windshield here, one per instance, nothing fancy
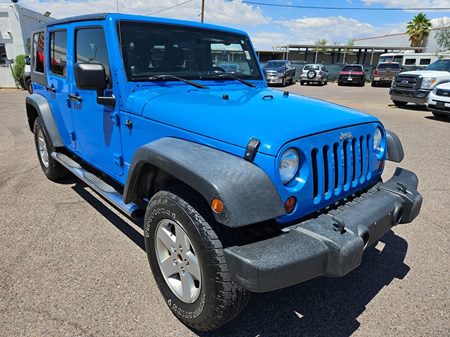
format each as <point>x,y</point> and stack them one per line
<point>440,65</point>
<point>150,49</point>
<point>311,67</point>
<point>275,64</point>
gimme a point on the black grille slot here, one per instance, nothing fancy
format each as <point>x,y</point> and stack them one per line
<point>325,169</point>
<point>315,173</point>
<point>336,164</point>
<point>361,155</point>
<point>353,159</point>
<point>344,149</point>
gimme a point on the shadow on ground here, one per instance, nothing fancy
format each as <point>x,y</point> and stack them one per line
<point>320,307</point>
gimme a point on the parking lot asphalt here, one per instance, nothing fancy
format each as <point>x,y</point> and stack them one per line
<point>71,265</point>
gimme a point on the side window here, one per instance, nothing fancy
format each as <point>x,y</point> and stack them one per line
<point>38,52</point>
<point>410,62</point>
<point>58,52</point>
<point>90,47</point>
<point>425,62</point>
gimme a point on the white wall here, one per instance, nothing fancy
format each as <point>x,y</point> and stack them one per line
<point>16,24</point>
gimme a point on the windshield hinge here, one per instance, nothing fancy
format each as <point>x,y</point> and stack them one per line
<point>252,148</point>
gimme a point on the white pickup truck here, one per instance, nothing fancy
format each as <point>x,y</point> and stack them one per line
<point>414,86</point>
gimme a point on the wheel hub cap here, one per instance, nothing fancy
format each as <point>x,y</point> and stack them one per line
<point>178,261</point>
<point>42,147</point>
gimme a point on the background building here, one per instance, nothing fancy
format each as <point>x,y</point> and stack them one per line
<point>16,24</point>
<point>399,40</point>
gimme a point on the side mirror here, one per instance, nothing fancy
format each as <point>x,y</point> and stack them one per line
<point>90,76</point>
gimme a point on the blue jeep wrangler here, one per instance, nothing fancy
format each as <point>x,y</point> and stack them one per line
<point>242,188</point>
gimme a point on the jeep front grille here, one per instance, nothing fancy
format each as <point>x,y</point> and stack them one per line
<point>333,165</point>
<point>338,167</point>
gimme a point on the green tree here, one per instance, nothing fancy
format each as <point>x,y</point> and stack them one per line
<point>418,30</point>
<point>18,69</point>
<point>320,44</point>
<point>442,36</point>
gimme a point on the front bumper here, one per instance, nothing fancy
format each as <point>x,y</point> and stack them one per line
<point>417,96</point>
<point>439,104</point>
<point>329,245</point>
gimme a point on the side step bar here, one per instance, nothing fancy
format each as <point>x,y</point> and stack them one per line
<point>99,185</point>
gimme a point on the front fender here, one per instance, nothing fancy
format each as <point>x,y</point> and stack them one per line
<point>246,191</point>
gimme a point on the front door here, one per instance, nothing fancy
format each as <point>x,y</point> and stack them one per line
<point>97,131</point>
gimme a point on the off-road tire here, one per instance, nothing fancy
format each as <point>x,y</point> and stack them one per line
<point>440,115</point>
<point>399,104</point>
<point>29,85</point>
<point>220,299</point>
<point>54,170</point>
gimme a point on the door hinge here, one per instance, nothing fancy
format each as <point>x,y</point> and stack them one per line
<point>118,159</point>
<point>72,136</point>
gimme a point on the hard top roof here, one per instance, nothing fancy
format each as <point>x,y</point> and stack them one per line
<point>130,17</point>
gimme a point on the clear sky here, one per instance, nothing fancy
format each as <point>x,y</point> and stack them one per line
<point>267,26</point>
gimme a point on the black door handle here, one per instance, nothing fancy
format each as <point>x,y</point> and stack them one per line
<point>75,98</point>
<point>51,89</point>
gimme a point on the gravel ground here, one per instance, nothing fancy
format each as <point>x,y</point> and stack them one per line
<point>70,265</point>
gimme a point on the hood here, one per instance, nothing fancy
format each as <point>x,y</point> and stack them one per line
<point>428,73</point>
<point>262,113</point>
<point>445,86</point>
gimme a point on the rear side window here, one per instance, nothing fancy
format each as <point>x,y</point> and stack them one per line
<point>90,47</point>
<point>58,52</point>
<point>410,62</point>
<point>425,62</point>
<point>38,52</point>
<point>394,66</point>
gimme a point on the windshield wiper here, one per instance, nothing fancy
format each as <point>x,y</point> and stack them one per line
<point>164,77</point>
<point>227,75</point>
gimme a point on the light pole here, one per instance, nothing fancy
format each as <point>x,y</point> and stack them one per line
<point>203,11</point>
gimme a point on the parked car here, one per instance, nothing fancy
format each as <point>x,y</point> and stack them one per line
<point>27,76</point>
<point>279,72</point>
<point>229,175</point>
<point>438,101</point>
<point>314,73</point>
<point>414,86</point>
<point>352,74</point>
<point>384,73</point>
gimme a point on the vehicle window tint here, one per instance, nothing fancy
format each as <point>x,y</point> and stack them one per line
<point>311,67</point>
<point>38,51</point>
<point>425,62</point>
<point>394,66</point>
<point>352,68</point>
<point>90,47</point>
<point>410,62</point>
<point>440,65</point>
<point>58,52</point>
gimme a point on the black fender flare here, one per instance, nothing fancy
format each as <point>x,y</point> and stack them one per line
<point>41,105</point>
<point>248,194</point>
<point>394,147</point>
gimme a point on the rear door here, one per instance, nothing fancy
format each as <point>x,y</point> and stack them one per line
<point>97,126</point>
<point>57,86</point>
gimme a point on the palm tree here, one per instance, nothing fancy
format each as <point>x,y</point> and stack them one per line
<point>418,30</point>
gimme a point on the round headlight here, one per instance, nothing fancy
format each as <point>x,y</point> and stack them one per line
<point>377,138</point>
<point>288,165</point>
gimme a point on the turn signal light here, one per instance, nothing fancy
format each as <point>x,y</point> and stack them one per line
<point>217,205</point>
<point>289,205</point>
